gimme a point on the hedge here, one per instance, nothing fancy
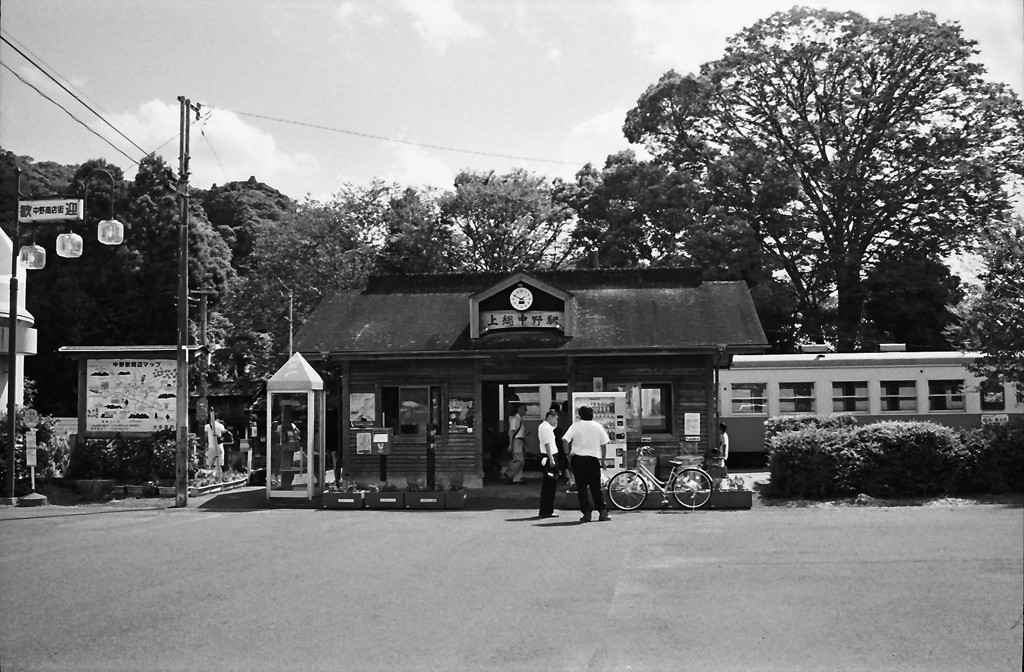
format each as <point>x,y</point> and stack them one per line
<point>813,459</point>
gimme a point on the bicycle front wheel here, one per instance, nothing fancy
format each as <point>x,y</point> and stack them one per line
<point>627,490</point>
<point>691,487</point>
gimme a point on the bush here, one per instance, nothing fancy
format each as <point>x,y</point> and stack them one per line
<point>892,459</point>
<point>780,424</point>
<point>151,458</point>
<point>901,459</point>
<point>995,458</point>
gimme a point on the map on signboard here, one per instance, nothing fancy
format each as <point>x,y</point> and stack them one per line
<point>130,395</point>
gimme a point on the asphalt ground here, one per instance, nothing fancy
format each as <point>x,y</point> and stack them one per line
<point>228,584</point>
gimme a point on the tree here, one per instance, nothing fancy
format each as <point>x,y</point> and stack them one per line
<point>505,222</point>
<point>416,240</point>
<point>993,318</point>
<point>837,139</point>
<point>321,248</point>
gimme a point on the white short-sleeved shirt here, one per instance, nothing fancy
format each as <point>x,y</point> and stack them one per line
<point>587,437</point>
<point>546,435</point>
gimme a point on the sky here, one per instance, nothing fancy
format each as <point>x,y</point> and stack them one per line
<point>307,95</point>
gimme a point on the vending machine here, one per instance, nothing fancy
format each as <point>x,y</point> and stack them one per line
<point>610,411</point>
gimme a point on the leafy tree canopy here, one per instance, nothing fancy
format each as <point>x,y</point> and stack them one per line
<point>835,139</point>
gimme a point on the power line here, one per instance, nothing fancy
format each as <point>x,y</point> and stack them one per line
<point>396,140</point>
<point>68,112</point>
<point>69,92</point>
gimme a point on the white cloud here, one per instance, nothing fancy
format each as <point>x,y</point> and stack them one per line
<point>222,147</point>
<point>349,12</point>
<point>596,138</point>
<point>439,23</point>
<point>554,55</point>
<point>418,166</point>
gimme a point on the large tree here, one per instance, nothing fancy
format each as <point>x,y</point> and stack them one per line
<point>993,316</point>
<point>835,139</point>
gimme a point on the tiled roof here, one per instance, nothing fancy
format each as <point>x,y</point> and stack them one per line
<point>651,311</point>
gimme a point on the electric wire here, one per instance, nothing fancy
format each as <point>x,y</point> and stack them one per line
<point>69,113</point>
<point>70,93</point>
<point>413,143</point>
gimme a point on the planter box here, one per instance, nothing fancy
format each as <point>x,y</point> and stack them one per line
<point>730,499</point>
<point>343,500</point>
<point>424,500</point>
<point>455,500</point>
<point>385,500</point>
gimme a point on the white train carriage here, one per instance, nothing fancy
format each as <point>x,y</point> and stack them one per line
<point>934,386</point>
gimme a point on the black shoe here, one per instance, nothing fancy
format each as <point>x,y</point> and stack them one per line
<point>603,516</point>
<point>585,518</point>
<point>548,515</point>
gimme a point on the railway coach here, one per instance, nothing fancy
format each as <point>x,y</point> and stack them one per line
<point>899,385</point>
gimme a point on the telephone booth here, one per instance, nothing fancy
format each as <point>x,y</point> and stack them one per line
<point>296,461</point>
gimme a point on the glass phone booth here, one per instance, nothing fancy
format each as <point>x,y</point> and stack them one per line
<point>296,460</point>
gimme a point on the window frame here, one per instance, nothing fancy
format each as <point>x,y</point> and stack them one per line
<point>759,402</point>
<point>949,397</point>
<point>859,396</point>
<point>435,408</point>
<point>899,396</point>
<point>796,399</point>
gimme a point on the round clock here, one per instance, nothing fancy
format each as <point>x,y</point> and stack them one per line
<point>521,298</point>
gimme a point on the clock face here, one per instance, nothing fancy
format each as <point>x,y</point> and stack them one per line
<point>521,298</point>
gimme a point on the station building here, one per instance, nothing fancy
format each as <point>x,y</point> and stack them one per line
<point>441,359</point>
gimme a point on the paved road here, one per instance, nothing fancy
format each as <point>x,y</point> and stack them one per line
<point>908,588</point>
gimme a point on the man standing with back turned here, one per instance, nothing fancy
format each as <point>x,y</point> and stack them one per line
<point>589,447</point>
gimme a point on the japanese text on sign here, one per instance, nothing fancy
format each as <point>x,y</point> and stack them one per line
<point>49,210</point>
<point>512,319</point>
<point>130,395</point>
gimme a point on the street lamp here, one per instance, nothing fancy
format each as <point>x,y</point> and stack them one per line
<point>33,257</point>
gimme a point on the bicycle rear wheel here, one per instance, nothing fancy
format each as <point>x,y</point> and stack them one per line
<point>627,490</point>
<point>691,487</point>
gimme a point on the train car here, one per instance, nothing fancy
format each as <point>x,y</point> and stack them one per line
<point>933,386</point>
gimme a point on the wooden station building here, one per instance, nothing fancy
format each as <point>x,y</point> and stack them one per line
<point>413,352</point>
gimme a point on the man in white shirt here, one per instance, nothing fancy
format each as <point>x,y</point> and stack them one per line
<point>513,472</point>
<point>589,447</point>
<point>548,463</point>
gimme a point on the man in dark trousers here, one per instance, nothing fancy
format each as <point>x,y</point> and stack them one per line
<point>548,463</point>
<point>589,448</point>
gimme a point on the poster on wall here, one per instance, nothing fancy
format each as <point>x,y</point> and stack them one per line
<point>362,409</point>
<point>460,416</point>
<point>130,395</point>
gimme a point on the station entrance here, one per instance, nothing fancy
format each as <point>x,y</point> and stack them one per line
<point>499,400</point>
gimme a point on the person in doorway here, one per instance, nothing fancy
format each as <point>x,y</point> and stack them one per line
<point>513,473</point>
<point>588,449</point>
<point>723,442</point>
<point>548,463</point>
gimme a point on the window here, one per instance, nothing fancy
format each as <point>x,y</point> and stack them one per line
<point>656,407</point>
<point>899,396</point>
<point>850,397</point>
<point>993,397</point>
<point>408,410</point>
<point>796,398</point>
<point>749,398</point>
<point>946,395</point>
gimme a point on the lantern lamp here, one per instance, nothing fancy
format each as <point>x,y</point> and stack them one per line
<point>110,232</point>
<point>69,245</point>
<point>32,257</point>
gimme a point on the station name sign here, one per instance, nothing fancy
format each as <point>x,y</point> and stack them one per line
<point>50,210</point>
<point>491,320</point>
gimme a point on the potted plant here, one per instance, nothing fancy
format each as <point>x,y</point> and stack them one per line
<point>455,497</point>
<point>419,496</point>
<point>345,495</point>
<point>384,496</point>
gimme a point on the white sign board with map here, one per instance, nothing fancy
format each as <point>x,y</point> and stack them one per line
<point>130,395</point>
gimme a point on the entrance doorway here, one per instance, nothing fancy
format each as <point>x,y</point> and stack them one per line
<point>499,399</point>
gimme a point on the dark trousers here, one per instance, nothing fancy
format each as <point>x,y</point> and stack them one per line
<point>588,479</point>
<point>547,492</point>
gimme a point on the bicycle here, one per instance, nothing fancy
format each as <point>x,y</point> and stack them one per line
<point>691,486</point>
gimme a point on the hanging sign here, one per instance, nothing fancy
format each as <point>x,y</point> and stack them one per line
<point>374,441</point>
<point>50,210</point>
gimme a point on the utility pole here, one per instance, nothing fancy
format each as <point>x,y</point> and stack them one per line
<point>181,414</point>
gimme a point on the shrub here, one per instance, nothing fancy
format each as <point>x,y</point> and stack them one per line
<point>139,460</point>
<point>900,459</point>
<point>779,424</point>
<point>808,462</point>
<point>994,460</point>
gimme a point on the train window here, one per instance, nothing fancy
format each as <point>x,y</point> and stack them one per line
<point>899,396</point>
<point>993,397</point>
<point>796,398</point>
<point>749,398</point>
<point>850,397</point>
<point>946,395</point>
